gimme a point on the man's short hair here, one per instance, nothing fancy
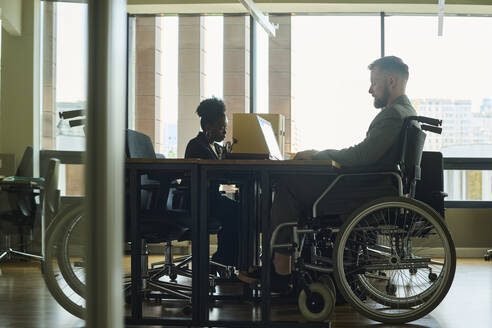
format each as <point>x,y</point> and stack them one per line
<point>391,64</point>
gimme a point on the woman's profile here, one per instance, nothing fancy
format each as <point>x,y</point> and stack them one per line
<point>205,145</point>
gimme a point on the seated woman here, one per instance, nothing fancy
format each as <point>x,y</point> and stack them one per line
<point>205,145</point>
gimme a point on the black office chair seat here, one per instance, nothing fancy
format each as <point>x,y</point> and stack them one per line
<point>158,232</point>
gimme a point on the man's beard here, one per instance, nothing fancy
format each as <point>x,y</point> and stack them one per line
<point>383,101</point>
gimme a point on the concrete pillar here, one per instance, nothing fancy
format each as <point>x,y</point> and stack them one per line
<point>280,98</point>
<point>236,66</point>
<point>148,72</point>
<point>191,78</point>
<point>20,107</point>
<point>106,105</point>
<point>48,128</point>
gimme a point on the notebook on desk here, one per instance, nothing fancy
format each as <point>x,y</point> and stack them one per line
<point>261,140</point>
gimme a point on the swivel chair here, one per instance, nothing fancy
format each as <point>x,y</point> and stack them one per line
<point>21,210</point>
<point>157,224</point>
<point>161,222</point>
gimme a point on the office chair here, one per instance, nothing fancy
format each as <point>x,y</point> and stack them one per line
<point>22,208</point>
<point>161,222</point>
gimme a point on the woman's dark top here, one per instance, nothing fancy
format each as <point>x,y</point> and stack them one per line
<point>199,147</point>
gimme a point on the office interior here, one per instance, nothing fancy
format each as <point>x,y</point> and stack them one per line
<point>146,64</point>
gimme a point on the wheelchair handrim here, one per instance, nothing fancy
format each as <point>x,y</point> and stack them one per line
<point>64,256</point>
<point>59,293</point>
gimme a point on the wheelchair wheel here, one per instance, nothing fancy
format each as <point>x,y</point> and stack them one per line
<point>394,259</point>
<point>51,267</point>
<point>319,305</point>
<point>71,257</point>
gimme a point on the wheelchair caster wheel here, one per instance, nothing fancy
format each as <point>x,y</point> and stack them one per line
<point>413,271</point>
<point>432,276</point>
<point>391,289</point>
<point>318,306</point>
<point>173,276</point>
<point>187,310</point>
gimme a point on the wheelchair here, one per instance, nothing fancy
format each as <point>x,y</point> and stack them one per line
<point>392,258</point>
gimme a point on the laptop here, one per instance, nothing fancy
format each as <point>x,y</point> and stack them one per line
<point>262,132</point>
<point>271,141</point>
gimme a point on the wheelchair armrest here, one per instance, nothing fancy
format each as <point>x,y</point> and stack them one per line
<point>440,194</point>
<point>368,169</point>
<point>391,170</point>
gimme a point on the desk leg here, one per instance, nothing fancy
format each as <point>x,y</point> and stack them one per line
<point>266,200</point>
<point>203,251</point>
<point>136,261</point>
<point>195,244</point>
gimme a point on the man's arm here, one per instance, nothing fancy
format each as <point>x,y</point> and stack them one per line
<point>383,134</point>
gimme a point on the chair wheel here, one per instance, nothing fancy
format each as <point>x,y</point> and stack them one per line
<point>432,276</point>
<point>319,306</point>
<point>486,257</point>
<point>173,276</point>
<point>413,271</point>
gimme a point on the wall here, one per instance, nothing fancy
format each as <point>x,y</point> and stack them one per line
<point>19,127</point>
<point>471,229</point>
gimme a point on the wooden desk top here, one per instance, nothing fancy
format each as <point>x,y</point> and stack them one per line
<point>234,162</point>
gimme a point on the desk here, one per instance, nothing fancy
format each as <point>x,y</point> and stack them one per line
<point>256,175</point>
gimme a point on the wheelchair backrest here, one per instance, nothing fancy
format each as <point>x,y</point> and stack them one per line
<point>412,145</point>
<point>430,189</point>
<point>412,141</point>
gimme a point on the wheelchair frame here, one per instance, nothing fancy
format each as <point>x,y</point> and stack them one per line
<point>317,302</point>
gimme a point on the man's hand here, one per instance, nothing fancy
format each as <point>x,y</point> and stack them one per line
<point>306,154</point>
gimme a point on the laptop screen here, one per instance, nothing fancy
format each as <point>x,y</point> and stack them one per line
<point>270,139</point>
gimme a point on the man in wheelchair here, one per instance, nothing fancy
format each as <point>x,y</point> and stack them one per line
<point>380,253</point>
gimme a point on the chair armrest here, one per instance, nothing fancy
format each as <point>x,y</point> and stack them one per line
<point>368,169</point>
<point>151,186</point>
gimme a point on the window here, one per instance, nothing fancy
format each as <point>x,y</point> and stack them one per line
<point>214,56</point>
<point>456,80</point>
<point>450,79</point>
<point>169,86</point>
<point>330,79</point>
<point>64,58</point>
<point>261,73</point>
<point>64,85</point>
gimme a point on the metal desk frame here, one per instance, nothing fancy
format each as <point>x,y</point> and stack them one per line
<point>256,175</point>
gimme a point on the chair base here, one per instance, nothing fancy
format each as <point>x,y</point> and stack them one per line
<point>11,251</point>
